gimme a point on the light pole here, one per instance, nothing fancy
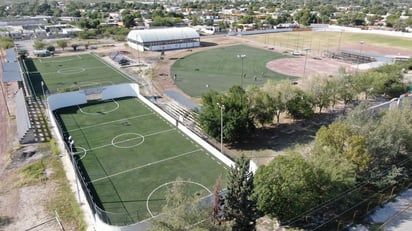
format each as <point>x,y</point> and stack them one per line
<point>306,59</point>
<point>360,55</point>
<point>222,107</point>
<point>71,143</point>
<point>241,56</point>
<point>42,88</point>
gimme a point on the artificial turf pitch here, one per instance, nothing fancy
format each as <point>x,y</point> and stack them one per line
<point>130,152</point>
<point>70,73</point>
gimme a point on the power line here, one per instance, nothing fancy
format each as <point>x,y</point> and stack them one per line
<point>341,195</point>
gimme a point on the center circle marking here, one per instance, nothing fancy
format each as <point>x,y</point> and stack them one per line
<point>71,70</point>
<point>127,137</point>
<point>103,112</point>
<point>171,182</point>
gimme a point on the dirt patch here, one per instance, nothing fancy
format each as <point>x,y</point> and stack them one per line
<point>22,207</point>
<point>307,66</point>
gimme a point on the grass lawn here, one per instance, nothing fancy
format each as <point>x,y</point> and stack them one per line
<point>220,68</point>
<point>60,74</point>
<point>130,155</point>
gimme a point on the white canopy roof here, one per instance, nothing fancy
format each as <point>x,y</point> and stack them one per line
<point>154,35</point>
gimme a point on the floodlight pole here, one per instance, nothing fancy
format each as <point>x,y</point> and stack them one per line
<point>306,59</point>
<point>222,107</point>
<point>71,143</point>
<point>42,88</point>
<point>360,54</point>
<point>241,56</point>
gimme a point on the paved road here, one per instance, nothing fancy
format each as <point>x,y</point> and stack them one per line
<point>396,215</point>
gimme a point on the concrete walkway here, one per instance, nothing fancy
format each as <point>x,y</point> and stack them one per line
<point>396,215</point>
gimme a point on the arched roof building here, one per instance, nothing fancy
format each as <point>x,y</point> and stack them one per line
<point>163,39</point>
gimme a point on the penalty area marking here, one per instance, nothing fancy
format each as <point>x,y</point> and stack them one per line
<point>171,182</point>
<point>61,60</point>
<point>143,166</point>
<point>71,70</point>
<point>83,153</point>
<point>133,136</point>
<point>102,112</point>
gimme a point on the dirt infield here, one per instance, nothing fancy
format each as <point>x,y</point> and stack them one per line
<point>314,67</point>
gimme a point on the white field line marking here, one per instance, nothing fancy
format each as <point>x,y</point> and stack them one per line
<point>60,60</point>
<point>127,140</point>
<point>109,122</point>
<point>74,68</point>
<point>146,165</point>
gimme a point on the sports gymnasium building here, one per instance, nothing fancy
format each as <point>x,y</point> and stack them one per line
<point>163,39</point>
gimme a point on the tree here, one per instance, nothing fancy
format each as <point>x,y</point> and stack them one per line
<point>345,90</point>
<point>51,48</point>
<point>286,187</point>
<point>74,46</point>
<point>238,124</point>
<point>6,42</point>
<point>209,116</point>
<point>388,137</point>
<point>389,143</point>
<point>38,45</point>
<point>347,151</point>
<point>184,211</point>
<point>262,106</point>
<point>22,54</point>
<point>305,17</point>
<point>62,44</point>
<point>280,93</point>
<point>240,205</point>
<point>320,89</point>
<point>301,105</point>
<point>362,83</point>
<point>128,18</point>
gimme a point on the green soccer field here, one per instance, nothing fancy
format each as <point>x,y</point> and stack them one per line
<point>221,68</point>
<point>68,73</point>
<point>130,156</point>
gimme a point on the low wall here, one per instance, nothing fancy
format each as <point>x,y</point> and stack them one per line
<point>117,91</point>
<point>393,103</point>
<point>68,99</point>
<point>189,133</point>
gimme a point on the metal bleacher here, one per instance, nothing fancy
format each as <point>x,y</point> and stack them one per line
<point>178,112</point>
<point>24,128</point>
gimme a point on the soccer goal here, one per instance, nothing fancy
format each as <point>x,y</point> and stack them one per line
<point>93,93</point>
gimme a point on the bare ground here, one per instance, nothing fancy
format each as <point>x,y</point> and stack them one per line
<point>21,206</point>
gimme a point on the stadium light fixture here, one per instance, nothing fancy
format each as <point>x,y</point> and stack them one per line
<point>71,143</point>
<point>222,107</point>
<point>42,88</point>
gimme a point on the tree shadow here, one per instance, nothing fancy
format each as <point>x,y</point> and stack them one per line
<point>285,135</point>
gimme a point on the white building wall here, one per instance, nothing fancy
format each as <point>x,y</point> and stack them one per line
<point>175,46</point>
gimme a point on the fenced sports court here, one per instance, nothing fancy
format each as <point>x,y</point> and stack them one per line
<point>69,73</point>
<point>125,154</point>
<point>128,156</point>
